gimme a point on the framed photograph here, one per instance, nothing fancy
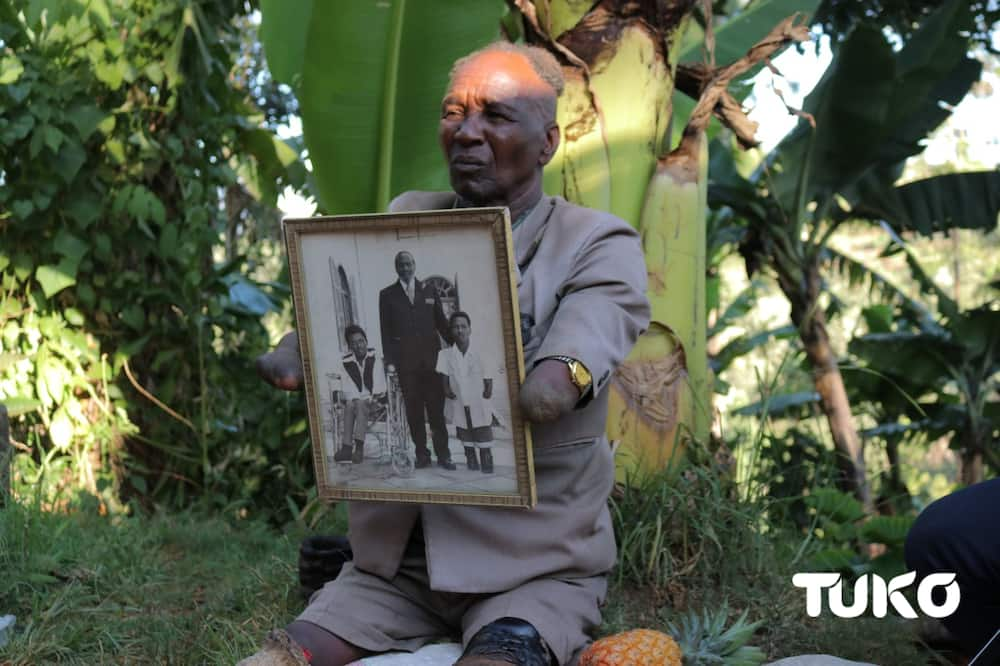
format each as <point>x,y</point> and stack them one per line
<point>411,347</point>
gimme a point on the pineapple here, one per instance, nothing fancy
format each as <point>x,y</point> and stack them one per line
<point>699,640</point>
<point>639,647</point>
<point>704,639</point>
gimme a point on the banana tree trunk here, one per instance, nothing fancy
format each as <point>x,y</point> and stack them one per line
<point>808,317</point>
<point>615,113</point>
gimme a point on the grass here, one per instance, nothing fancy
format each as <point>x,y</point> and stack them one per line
<point>691,541</point>
<point>182,588</point>
<point>191,588</point>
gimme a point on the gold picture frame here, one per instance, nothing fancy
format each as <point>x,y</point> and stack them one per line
<point>344,273</point>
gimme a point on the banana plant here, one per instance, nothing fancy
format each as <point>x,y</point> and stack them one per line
<point>863,119</point>
<point>369,76</point>
<point>936,373</point>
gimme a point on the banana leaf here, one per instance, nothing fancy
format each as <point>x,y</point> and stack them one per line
<point>950,201</point>
<point>874,104</point>
<point>372,78</point>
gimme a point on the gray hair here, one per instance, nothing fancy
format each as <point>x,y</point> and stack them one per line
<point>543,62</point>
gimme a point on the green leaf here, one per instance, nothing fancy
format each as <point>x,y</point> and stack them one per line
<point>878,318</point>
<point>832,559</point>
<point>69,161</point>
<point>84,208</point>
<point>55,278</point>
<point>134,317</point>
<point>950,201</point>
<point>378,105</point>
<point>86,118</point>
<point>18,128</point>
<point>284,27</point>
<point>873,105</point>
<point>17,406</point>
<point>61,429</point>
<point>10,70</point>
<point>73,316</point>
<point>168,242</point>
<point>22,209</point>
<point>780,405</point>
<point>890,530</point>
<point>110,73</point>
<point>53,137</point>
<point>69,246</point>
<point>835,505</point>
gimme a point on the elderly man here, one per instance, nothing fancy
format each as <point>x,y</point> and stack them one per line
<point>519,586</point>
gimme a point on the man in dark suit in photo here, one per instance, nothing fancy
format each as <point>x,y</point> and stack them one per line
<point>411,317</point>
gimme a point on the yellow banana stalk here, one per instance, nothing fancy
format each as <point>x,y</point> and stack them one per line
<point>660,396</point>
<point>620,63</point>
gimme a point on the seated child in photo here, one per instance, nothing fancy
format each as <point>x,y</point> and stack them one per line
<point>364,381</point>
<point>465,383</point>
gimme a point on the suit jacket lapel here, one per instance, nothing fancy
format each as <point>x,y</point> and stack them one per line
<point>528,234</point>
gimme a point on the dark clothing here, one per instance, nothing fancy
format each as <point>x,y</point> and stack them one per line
<point>409,330</point>
<point>960,533</point>
<point>424,390</point>
<point>410,342</point>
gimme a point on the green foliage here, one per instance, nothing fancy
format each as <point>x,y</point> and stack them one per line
<point>840,527</point>
<point>709,638</point>
<point>120,131</point>
<point>933,375</point>
<point>370,76</point>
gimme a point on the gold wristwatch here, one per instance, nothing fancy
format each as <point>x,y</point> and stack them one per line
<point>578,373</point>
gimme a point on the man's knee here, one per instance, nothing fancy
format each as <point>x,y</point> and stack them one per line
<point>508,640</point>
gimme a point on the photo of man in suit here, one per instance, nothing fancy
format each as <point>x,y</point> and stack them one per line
<point>411,317</point>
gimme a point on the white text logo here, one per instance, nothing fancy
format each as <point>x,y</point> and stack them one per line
<point>882,594</point>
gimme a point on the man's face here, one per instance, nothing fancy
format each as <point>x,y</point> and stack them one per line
<point>460,330</point>
<point>358,344</point>
<point>496,128</point>
<point>405,266</point>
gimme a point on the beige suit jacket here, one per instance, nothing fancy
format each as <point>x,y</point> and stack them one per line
<point>582,292</point>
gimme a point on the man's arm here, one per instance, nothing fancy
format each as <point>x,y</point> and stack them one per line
<point>282,366</point>
<point>385,327</point>
<point>602,310</point>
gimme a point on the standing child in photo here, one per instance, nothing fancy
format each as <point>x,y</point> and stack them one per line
<point>466,383</point>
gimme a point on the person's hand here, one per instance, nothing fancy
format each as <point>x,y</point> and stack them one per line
<point>451,395</point>
<point>548,392</point>
<point>390,368</point>
<point>282,366</point>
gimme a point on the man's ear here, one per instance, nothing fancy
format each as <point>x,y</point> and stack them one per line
<point>551,144</point>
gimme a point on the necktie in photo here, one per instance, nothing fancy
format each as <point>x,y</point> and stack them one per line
<point>409,292</point>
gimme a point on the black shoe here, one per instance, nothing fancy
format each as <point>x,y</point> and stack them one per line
<point>446,464</point>
<point>359,453</point>
<point>486,460</point>
<point>320,561</point>
<point>422,462</point>
<point>471,462</point>
<point>344,455</point>
<point>510,640</point>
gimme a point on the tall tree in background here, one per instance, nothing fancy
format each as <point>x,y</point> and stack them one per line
<point>866,116</point>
